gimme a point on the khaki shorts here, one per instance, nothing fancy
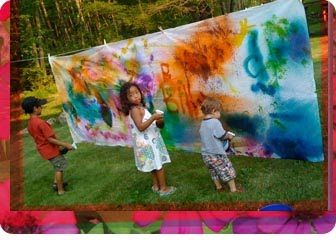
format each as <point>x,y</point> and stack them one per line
<point>59,163</point>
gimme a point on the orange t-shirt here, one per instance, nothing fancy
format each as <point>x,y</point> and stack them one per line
<point>41,130</point>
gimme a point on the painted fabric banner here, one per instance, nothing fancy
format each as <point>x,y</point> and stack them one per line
<point>257,62</point>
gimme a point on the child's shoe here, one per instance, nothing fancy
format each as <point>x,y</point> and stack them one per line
<point>61,192</point>
<point>54,186</point>
<point>155,189</point>
<point>170,191</point>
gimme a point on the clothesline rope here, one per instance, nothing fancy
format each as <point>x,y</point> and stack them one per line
<point>46,57</point>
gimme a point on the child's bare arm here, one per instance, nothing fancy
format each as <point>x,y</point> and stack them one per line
<point>137,117</point>
<point>60,143</point>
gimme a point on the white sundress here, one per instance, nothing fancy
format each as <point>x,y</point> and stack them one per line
<point>150,152</point>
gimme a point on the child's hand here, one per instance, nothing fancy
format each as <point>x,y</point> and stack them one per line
<point>157,116</point>
<point>160,123</point>
<point>68,146</point>
<point>230,135</point>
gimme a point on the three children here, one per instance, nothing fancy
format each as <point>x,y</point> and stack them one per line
<point>149,149</point>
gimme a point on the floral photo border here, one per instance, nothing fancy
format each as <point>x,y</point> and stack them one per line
<point>273,218</point>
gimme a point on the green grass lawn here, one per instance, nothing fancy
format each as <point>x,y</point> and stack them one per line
<point>107,175</point>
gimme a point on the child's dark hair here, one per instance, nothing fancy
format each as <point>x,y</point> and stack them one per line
<point>125,103</point>
<point>30,102</point>
<point>209,105</point>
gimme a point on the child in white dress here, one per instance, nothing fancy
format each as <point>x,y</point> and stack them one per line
<point>149,149</point>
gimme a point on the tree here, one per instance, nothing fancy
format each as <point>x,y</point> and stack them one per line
<point>60,26</point>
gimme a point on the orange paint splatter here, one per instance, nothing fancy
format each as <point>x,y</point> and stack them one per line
<point>194,61</point>
<point>231,104</point>
<point>79,85</point>
<point>208,49</point>
<point>177,96</point>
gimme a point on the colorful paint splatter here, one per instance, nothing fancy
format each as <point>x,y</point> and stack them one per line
<point>257,62</point>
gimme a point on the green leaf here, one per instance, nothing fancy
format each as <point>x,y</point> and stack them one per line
<point>153,228</point>
<point>120,227</point>
<point>225,230</point>
<point>85,227</point>
<point>97,229</point>
<point>136,231</point>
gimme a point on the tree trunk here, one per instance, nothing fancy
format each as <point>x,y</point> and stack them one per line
<point>231,6</point>
<point>82,20</point>
<point>143,15</point>
<point>34,48</point>
<point>78,4</point>
<point>212,8</point>
<point>115,25</point>
<point>45,13</point>
<point>46,22</point>
<point>59,12</point>
<point>40,42</point>
<point>222,6</point>
<point>69,16</point>
<point>98,26</point>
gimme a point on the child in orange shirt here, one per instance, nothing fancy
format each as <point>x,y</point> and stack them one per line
<point>44,136</point>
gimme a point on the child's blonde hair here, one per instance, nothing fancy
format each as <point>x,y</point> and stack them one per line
<point>209,105</point>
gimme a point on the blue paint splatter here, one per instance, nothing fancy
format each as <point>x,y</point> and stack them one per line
<point>294,45</point>
<point>295,131</point>
<point>245,125</point>
<point>299,46</point>
<point>286,41</point>
<point>255,68</point>
<point>85,108</point>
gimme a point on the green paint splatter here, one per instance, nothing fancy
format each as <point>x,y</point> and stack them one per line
<point>276,32</point>
<point>278,123</point>
<point>286,41</point>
